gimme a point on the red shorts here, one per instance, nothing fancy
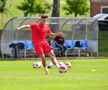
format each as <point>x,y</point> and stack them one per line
<point>42,48</point>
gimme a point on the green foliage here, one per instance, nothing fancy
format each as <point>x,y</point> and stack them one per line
<point>13,11</point>
<point>32,7</point>
<point>41,6</point>
<point>78,7</point>
<point>103,43</point>
<point>2,6</point>
<point>3,11</point>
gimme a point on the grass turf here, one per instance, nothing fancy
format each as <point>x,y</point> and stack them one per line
<point>85,74</point>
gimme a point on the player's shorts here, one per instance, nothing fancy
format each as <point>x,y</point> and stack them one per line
<point>42,48</point>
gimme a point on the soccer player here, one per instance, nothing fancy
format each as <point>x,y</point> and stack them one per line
<point>39,32</point>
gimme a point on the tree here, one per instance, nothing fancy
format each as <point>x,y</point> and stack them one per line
<point>41,7</point>
<point>55,13</point>
<point>76,7</point>
<point>56,8</point>
<point>32,7</point>
<point>2,5</point>
<point>2,9</point>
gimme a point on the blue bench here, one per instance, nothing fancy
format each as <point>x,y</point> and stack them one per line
<point>70,44</point>
<point>27,43</point>
<point>83,44</point>
<point>28,46</point>
<point>73,48</point>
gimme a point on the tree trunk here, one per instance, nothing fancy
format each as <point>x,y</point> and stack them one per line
<point>55,13</point>
<point>56,8</point>
<point>2,22</point>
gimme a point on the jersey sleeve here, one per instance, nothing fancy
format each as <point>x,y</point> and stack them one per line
<point>49,30</point>
<point>32,26</point>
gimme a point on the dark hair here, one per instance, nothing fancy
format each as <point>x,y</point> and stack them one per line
<point>44,16</point>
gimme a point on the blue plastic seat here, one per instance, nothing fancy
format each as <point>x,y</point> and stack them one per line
<point>83,44</point>
<point>69,44</point>
<point>19,41</point>
<point>29,45</point>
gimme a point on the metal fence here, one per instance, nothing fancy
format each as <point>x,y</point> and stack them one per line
<point>73,29</point>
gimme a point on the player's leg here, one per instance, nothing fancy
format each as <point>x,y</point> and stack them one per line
<point>44,64</point>
<point>40,53</point>
<point>53,58</point>
<point>49,51</point>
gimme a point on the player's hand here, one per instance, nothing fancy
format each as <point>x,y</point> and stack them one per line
<point>17,28</point>
<point>60,34</point>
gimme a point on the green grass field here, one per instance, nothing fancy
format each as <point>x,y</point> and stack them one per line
<point>85,74</point>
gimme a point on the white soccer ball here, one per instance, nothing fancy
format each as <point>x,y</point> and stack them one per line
<point>63,68</point>
<point>68,64</point>
<point>61,63</point>
<point>37,65</point>
<point>50,65</point>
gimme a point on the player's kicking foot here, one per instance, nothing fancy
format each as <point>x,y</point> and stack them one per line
<point>46,73</point>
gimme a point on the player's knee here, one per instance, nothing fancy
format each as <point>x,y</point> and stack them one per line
<point>53,57</point>
<point>42,57</point>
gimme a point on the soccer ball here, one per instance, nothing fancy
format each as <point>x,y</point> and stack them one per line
<point>37,65</point>
<point>68,64</point>
<point>61,63</point>
<point>50,65</point>
<point>63,68</point>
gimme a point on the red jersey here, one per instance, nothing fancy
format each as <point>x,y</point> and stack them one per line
<point>39,32</point>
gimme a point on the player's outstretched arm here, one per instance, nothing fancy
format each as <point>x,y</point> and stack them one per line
<point>23,26</point>
<point>53,35</point>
